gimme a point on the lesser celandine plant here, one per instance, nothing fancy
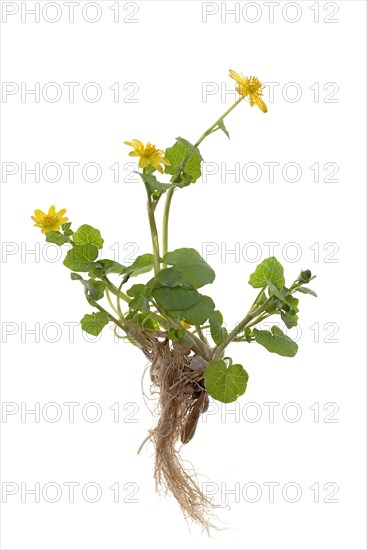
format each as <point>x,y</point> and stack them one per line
<point>168,317</point>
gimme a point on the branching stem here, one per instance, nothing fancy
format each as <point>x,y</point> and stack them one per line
<point>215,126</point>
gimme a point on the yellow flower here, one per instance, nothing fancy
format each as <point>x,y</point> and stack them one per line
<point>250,86</point>
<point>185,325</point>
<point>51,221</point>
<point>148,154</point>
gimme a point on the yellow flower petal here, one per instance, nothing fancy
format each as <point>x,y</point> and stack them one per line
<point>235,75</point>
<point>39,214</point>
<point>148,154</point>
<point>242,90</point>
<point>262,105</point>
<point>143,162</point>
<point>251,87</point>
<point>158,167</point>
<point>51,221</point>
<point>138,144</point>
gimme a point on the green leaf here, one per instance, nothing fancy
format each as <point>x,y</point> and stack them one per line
<point>94,323</point>
<point>271,307</point>
<point>177,155</point>
<point>199,312</point>
<point>86,234</point>
<point>136,290</point>
<point>291,304</point>
<point>109,266</point>
<point>189,146</point>
<point>222,127</point>
<point>137,303</point>
<point>105,267</point>
<point>217,331</point>
<point>289,320</point>
<point>96,288</point>
<point>178,298</point>
<point>153,184</point>
<point>183,181</point>
<point>81,258</point>
<point>225,384</point>
<point>275,291</point>
<point>142,264</point>
<point>176,334</point>
<point>66,229</point>
<point>248,335</point>
<point>196,314</point>
<point>288,303</point>
<point>147,322</point>
<point>137,293</point>
<point>276,341</point>
<point>191,266</point>
<point>270,269</point>
<point>56,237</point>
<point>306,290</point>
<point>171,277</point>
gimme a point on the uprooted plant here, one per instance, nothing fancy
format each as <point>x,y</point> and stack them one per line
<point>168,318</point>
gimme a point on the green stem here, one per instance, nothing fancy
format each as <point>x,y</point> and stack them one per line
<point>199,347</point>
<point>239,328</point>
<point>258,320</point>
<point>154,234</point>
<point>129,328</point>
<point>232,335</point>
<point>98,306</point>
<point>117,335</point>
<point>213,127</point>
<point>119,292</point>
<point>201,334</point>
<point>110,301</point>
<point>112,288</point>
<point>166,211</point>
<point>170,192</point>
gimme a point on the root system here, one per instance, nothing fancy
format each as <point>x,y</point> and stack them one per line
<point>177,377</point>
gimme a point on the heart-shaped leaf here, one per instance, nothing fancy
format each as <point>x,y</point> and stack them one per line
<point>224,383</point>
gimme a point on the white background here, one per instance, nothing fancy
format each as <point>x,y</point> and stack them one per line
<point>169,53</point>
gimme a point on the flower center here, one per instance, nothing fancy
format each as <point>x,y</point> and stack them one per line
<point>48,220</point>
<point>254,86</point>
<point>149,151</point>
